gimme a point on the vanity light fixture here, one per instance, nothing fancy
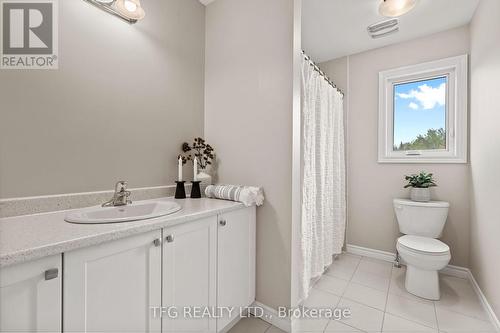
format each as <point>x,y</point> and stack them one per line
<point>395,8</point>
<point>128,10</point>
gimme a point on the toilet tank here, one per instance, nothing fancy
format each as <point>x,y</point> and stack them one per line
<point>424,219</point>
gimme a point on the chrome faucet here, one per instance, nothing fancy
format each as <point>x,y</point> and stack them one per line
<point>121,196</point>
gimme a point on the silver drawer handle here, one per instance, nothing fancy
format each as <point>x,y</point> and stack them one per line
<point>169,238</point>
<point>223,223</point>
<point>51,274</point>
<point>157,242</point>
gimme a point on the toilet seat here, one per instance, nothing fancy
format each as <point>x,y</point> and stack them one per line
<point>423,245</point>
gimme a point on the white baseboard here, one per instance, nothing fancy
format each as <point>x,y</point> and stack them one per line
<point>270,315</point>
<point>456,271</point>
<point>371,253</point>
<point>230,325</point>
<point>451,270</point>
<point>487,307</point>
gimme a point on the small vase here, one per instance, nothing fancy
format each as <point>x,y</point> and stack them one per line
<point>420,194</point>
<point>205,180</point>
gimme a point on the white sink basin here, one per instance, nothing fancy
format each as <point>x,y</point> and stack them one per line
<point>134,212</point>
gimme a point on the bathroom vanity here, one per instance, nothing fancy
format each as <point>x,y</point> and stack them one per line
<point>57,276</point>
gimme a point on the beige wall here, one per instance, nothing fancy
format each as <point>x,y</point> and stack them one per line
<point>485,149</point>
<point>372,186</point>
<point>338,70</point>
<point>248,117</point>
<point>122,101</point>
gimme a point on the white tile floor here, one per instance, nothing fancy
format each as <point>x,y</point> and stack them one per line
<point>254,325</point>
<point>374,292</point>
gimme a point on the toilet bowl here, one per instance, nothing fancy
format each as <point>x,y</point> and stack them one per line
<point>424,257</point>
<point>423,254</point>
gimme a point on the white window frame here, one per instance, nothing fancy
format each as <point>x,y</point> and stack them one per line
<point>455,69</point>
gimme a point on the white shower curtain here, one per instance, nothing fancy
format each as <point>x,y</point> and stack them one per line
<point>323,184</point>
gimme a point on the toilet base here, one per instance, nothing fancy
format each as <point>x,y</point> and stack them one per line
<point>422,283</point>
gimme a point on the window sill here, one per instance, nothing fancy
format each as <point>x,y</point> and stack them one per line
<point>422,160</point>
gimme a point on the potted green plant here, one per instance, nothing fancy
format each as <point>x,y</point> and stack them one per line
<point>420,186</point>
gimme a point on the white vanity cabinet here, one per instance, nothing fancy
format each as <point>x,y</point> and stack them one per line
<point>111,287</point>
<point>190,276</point>
<point>236,262</point>
<point>30,296</point>
<point>122,285</point>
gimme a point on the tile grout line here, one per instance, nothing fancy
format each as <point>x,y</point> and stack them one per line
<point>268,328</point>
<point>465,315</point>
<point>411,320</point>
<point>350,281</point>
<point>436,315</point>
<point>461,313</point>
<point>399,316</point>
<point>371,273</point>
<point>435,327</point>
<point>450,271</point>
<point>387,299</point>
<point>374,289</point>
<point>340,298</point>
<point>385,311</point>
<point>469,284</point>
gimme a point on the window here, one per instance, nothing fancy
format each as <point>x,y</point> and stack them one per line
<point>423,113</point>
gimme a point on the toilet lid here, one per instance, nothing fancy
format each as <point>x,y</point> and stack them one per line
<point>423,244</point>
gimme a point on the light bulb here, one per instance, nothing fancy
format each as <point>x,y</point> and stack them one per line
<point>130,6</point>
<point>394,8</point>
<point>399,4</point>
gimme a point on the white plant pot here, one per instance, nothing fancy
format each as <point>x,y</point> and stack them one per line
<point>205,180</point>
<point>420,194</point>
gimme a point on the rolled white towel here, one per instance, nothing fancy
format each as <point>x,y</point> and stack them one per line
<point>248,195</point>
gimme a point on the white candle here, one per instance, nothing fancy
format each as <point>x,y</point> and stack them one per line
<point>180,169</point>
<point>195,169</point>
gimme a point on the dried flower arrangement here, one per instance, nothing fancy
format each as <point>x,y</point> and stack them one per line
<point>200,150</point>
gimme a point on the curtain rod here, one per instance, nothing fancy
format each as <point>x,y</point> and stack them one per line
<point>321,73</point>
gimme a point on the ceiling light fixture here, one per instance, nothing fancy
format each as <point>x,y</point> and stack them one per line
<point>395,8</point>
<point>128,10</point>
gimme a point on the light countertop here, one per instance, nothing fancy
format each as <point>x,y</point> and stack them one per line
<point>29,237</point>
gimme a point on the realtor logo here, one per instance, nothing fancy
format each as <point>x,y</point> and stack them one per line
<point>29,34</point>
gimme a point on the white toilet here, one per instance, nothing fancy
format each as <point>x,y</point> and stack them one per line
<point>423,254</point>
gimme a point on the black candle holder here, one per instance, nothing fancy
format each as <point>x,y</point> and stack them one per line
<point>195,189</point>
<point>180,191</point>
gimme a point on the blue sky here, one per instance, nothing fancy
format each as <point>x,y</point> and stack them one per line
<point>418,106</point>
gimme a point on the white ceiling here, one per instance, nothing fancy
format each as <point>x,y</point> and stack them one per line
<point>206,2</point>
<point>335,28</point>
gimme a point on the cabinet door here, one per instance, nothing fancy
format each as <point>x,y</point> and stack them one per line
<point>30,296</point>
<point>236,262</point>
<point>111,287</point>
<point>189,275</point>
